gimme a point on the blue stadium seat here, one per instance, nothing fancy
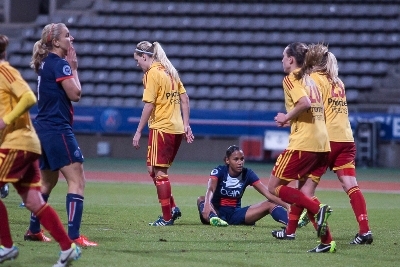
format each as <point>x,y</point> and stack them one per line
<point>116,101</point>
<point>202,92</point>
<point>232,92</point>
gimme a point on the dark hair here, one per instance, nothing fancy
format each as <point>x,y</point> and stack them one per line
<point>230,150</point>
<point>3,46</point>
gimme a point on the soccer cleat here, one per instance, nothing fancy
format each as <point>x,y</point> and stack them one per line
<point>322,248</point>
<point>322,217</point>
<point>303,220</point>
<point>8,253</point>
<point>83,241</point>
<point>4,191</point>
<point>281,234</point>
<point>29,236</point>
<point>215,221</point>
<point>161,222</point>
<point>176,213</point>
<point>364,239</point>
<point>68,255</point>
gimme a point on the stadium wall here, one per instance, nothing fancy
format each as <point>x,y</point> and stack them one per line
<point>108,132</point>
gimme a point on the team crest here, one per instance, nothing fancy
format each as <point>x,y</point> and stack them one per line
<point>67,70</point>
<point>214,172</point>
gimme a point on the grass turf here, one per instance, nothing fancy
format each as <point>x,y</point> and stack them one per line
<point>117,214</point>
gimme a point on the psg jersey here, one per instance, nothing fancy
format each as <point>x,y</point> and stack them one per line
<point>55,110</point>
<point>230,190</point>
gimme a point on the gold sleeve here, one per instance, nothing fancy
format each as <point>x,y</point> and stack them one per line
<point>26,101</point>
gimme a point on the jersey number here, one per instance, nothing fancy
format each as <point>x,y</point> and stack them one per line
<point>339,92</point>
<point>315,96</point>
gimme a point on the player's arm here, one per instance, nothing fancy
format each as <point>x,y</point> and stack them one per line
<point>263,190</point>
<point>211,187</point>
<point>25,102</point>
<point>185,107</point>
<point>146,113</point>
<point>301,106</point>
<point>72,88</point>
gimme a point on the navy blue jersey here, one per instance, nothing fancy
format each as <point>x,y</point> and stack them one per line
<point>230,190</point>
<point>55,111</point>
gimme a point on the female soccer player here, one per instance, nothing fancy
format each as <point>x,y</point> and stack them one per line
<point>222,203</point>
<point>166,111</point>
<point>304,159</point>
<point>54,60</point>
<point>19,153</point>
<point>323,65</point>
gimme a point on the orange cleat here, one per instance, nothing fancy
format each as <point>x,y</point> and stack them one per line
<point>29,236</point>
<point>83,241</point>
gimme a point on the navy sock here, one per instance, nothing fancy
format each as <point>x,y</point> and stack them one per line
<point>34,225</point>
<point>201,208</point>
<point>279,214</point>
<point>74,204</point>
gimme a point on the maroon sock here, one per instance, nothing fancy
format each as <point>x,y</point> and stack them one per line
<point>50,220</point>
<point>295,196</point>
<point>5,234</point>
<point>294,215</point>
<point>359,206</point>
<point>164,196</point>
<point>172,201</point>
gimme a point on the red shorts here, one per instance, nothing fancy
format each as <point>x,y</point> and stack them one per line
<point>296,165</point>
<point>162,148</point>
<point>342,156</point>
<point>20,168</point>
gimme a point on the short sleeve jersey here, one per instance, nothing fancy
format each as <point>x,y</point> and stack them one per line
<point>20,134</point>
<point>230,190</point>
<point>55,111</point>
<point>336,112</point>
<point>164,92</point>
<point>308,131</point>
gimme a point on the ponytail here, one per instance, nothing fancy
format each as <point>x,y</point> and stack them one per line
<point>160,55</point>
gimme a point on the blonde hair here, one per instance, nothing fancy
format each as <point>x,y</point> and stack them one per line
<point>155,51</point>
<point>319,59</point>
<point>42,47</point>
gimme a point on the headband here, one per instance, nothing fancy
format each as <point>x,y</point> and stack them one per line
<point>142,51</point>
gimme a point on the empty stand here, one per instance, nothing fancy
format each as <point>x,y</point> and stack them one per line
<point>224,52</point>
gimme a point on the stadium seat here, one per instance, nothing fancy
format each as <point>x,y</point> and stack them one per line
<point>233,93</point>
<point>101,89</point>
<point>86,101</point>
<point>88,89</point>
<point>116,102</point>
<point>202,92</point>
<point>220,44</point>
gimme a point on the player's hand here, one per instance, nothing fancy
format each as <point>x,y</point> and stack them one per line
<point>188,134</point>
<point>71,58</point>
<point>135,141</point>
<point>2,124</point>
<point>280,119</point>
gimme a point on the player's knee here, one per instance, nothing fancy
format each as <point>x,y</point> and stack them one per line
<point>200,199</point>
<point>161,179</point>
<point>346,172</point>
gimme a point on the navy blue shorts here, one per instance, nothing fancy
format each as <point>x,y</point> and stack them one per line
<point>232,215</point>
<point>58,150</point>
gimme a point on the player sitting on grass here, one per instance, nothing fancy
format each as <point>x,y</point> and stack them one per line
<point>222,203</point>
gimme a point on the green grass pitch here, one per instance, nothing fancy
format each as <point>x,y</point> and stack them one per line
<point>116,215</point>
